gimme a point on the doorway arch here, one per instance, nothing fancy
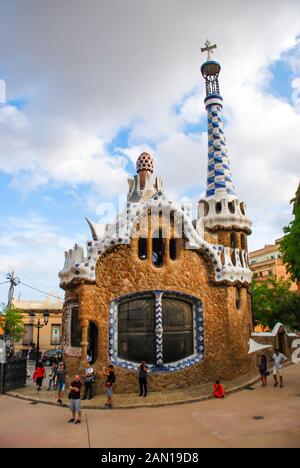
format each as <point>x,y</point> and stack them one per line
<point>93,342</point>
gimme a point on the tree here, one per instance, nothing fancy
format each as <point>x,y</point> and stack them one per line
<point>290,245</point>
<point>274,302</point>
<point>13,326</point>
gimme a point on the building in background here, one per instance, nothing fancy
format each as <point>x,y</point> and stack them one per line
<point>50,335</point>
<point>266,263</point>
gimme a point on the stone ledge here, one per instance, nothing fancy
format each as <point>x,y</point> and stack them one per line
<point>131,401</point>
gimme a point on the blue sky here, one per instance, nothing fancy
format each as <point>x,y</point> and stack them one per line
<point>77,117</point>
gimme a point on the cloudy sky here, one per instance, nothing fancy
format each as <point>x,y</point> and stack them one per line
<point>90,84</point>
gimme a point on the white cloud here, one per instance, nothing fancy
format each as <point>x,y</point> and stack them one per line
<point>296,94</point>
<point>90,69</point>
<point>34,250</point>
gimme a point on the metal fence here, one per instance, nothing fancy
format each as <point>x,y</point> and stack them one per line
<point>13,374</point>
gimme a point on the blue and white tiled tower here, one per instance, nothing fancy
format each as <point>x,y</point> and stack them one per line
<point>221,208</point>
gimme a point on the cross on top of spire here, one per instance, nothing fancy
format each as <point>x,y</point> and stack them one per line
<point>209,49</point>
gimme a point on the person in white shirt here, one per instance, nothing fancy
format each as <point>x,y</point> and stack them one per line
<point>88,382</point>
<point>279,359</point>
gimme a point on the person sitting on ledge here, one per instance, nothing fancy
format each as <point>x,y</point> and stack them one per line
<point>219,390</point>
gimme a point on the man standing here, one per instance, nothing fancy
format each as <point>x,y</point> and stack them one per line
<point>74,397</point>
<point>143,369</point>
<point>61,381</point>
<point>279,359</point>
<point>109,373</point>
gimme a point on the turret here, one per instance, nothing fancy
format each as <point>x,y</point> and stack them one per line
<point>142,186</point>
<point>221,215</point>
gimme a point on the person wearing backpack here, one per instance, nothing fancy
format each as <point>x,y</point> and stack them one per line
<point>109,373</point>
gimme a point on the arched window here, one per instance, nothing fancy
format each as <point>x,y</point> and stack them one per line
<point>233,258</point>
<point>204,208</point>
<point>173,249</point>
<point>232,240</point>
<point>93,342</point>
<point>142,248</point>
<point>223,257</point>
<point>242,207</point>
<point>158,248</point>
<point>231,207</point>
<point>243,242</point>
<point>75,328</point>
<point>218,207</point>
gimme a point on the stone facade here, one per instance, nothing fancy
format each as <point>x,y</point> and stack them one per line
<point>226,329</point>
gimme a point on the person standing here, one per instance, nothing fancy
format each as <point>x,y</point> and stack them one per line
<point>88,383</point>
<point>143,369</point>
<point>52,376</point>
<point>61,381</point>
<point>279,359</point>
<point>39,375</point>
<point>264,370</point>
<point>109,373</point>
<point>74,397</point>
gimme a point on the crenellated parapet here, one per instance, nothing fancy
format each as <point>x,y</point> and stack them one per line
<point>216,214</point>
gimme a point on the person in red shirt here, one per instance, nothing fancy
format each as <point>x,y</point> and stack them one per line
<point>39,375</point>
<point>219,390</point>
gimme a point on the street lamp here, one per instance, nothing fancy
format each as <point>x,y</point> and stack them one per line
<point>38,326</point>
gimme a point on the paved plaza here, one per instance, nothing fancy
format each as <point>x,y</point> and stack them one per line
<point>262,417</point>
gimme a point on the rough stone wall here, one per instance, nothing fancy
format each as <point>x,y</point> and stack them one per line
<point>226,330</point>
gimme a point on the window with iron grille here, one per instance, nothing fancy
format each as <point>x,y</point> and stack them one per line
<point>136,330</point>
<point>158,327</point>
<point>177,329</point>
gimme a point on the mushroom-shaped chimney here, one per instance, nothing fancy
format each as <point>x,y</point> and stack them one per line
<point>144,164</point>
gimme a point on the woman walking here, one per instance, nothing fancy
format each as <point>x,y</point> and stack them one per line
<point>143,369</point>
<point>39,375</point>
<point>263,370</point>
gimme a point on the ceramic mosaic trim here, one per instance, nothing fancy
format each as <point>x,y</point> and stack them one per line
<point>198,327</point>
<point>66,325</point>
<point>72,352</point>
<point>69,351</point>
<point>85,269</point>
<point>159,328</point>
<point>219,179</point>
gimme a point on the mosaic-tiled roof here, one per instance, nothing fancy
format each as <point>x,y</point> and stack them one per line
<point>79,266</point>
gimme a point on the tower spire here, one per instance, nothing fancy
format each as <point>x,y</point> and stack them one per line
<point>219,179</point>
<point>220,209</point>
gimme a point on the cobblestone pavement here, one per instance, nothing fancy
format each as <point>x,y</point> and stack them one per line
<point>261,417</point>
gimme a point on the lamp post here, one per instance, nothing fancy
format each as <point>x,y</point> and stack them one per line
<point>38,326</point>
